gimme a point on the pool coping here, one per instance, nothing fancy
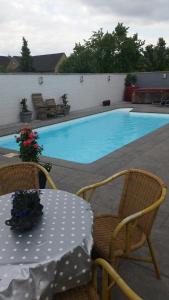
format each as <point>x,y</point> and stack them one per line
<point>98,164</point>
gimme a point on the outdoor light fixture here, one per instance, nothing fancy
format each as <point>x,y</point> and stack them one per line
<point>40,80</point>
<point>108,78</point>
<point>164,76</point>
<point>81,78</point>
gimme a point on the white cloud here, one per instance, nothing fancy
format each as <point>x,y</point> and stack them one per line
<point>52,26</point>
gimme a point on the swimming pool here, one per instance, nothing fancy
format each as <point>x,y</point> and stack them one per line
<point>88,139</point>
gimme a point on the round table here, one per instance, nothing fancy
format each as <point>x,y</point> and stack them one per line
<point>54,256</point>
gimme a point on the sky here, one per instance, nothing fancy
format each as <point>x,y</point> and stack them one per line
<point>53,26</point>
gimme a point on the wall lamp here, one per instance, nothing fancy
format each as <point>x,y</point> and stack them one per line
<point>108,78</point>
<point>40,80</point>
<point>81,78</point>
<point>164,76</point>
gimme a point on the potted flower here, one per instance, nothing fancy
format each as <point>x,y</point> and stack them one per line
<point>65,104</point>
<point>25,113</point>
<point>130,86</point>
<point>30,151</point>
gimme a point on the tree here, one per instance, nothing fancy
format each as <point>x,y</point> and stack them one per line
<point>3,69</point>
<point>156,58</point>
<point>129,50</point>
<point>106,52</point>
<point>26,59</point>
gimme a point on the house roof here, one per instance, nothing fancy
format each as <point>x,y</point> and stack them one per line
<point>44,63</point>
<point>41,63</point>
<point>4,60</point>
<point>47,62</point>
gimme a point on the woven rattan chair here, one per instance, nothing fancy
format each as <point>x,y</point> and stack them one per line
<point>117,236</point>
<point>22,176</point>
<point>88,292</point>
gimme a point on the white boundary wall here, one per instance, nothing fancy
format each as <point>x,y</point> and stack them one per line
<point>91,92</point>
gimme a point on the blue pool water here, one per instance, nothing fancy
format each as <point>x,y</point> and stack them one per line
<point>87,139</point>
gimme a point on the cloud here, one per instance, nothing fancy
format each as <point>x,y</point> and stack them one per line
<point>52,26</point>
<point>150,10</point>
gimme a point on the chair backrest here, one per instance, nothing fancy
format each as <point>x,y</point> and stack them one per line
<point>141,189</point>
<point>50,102</point>
<point>18,177</point>
<point>37,100</point>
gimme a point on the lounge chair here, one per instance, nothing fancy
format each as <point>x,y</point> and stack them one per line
<point>43,110</point>
<point>55,109</point>
<point>40,106</point>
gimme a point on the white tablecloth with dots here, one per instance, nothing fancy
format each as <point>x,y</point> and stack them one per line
<point>54,256</point>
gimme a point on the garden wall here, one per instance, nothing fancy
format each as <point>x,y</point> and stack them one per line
<point>153,79</point>
<point>83,92</point>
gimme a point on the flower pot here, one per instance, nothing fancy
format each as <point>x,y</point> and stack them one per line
<point>128,92</point>
<point>42,176</point>
<point>66,109</point>
<point>26,117</point>
<point>42,180</point>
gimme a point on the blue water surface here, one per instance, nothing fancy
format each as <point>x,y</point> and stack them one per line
<point>87,139</point>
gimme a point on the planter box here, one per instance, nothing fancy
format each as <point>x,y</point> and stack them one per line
<point>128,92</point>
<point>106,103</point>
<point>66,109</point>
<point>26,117</point>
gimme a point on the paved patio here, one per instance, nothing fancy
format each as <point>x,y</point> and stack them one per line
<point>150,153</point>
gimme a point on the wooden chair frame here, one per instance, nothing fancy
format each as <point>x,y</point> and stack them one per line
<point>130,222</point>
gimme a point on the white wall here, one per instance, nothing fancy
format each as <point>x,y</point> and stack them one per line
<point>91,92</point>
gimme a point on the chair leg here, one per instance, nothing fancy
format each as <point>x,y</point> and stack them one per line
<point>105,286</point>
<point>154,261</point>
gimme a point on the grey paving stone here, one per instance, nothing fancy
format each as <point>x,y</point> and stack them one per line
<point>150,153</point>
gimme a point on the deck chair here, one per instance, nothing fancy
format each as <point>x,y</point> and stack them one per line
<point>89,292</point>
<point>40,106</point>
<point>43,110</point>
<point>117,236</point>
<point>54,108</point>
<point>22,176</point>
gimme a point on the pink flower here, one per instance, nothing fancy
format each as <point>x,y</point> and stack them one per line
<point>27,142</point>
<point>31,135</point>
<point>36,146</point>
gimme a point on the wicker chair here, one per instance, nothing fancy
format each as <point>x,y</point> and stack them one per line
<point>117,236</point>
<point>109,277</point>
<point>22,176</point>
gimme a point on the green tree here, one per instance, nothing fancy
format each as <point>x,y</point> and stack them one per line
<point>156,58</point>
<point>106,52</point>
<point>129,50</point>
<point>2,69</point>
<point>26,59</point>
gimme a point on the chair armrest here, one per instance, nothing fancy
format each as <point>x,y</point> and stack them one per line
<point>109,272</point>
<point>92,187</point>
<point>139,214</point>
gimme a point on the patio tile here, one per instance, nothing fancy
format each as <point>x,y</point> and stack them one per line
<point>150,153</point>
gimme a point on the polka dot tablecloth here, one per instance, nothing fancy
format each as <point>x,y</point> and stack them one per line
<point>54,256</point>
